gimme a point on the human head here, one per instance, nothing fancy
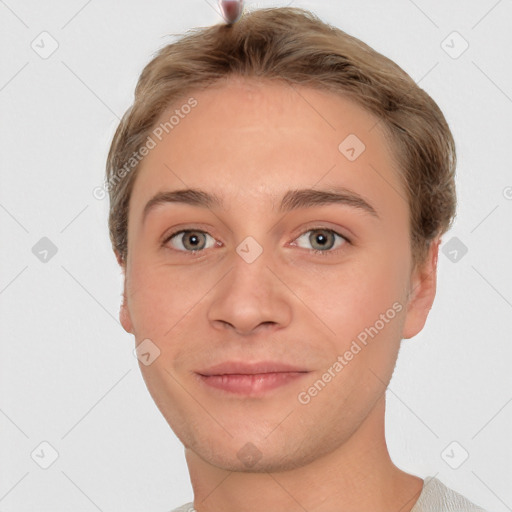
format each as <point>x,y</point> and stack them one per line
<point>264,82</point>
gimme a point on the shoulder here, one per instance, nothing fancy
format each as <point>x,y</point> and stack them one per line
<point>188,507</point>
<point>436,497</point>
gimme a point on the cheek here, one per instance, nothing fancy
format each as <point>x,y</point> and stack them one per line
<point>352,296</point>
<point>364,307</point>
<point>160,298</point>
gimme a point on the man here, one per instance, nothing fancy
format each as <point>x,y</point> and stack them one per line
<point>278,195</point>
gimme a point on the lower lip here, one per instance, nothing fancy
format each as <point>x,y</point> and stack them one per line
<point>251,384</point>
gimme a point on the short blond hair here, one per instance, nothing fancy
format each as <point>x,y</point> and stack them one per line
<point>295,46</point>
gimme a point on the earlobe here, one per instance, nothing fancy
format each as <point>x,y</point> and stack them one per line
<point>124,317</point>
<point>421,293</point>
<point>124,312</point>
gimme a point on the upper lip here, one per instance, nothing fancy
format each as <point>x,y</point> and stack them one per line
<point>245,368</point>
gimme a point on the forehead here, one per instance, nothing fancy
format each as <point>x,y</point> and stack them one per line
<point>253,140</point>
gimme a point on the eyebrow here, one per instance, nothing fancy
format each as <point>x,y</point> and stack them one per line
<point>292,200</point>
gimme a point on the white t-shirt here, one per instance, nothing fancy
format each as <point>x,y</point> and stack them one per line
<point>434,497</point>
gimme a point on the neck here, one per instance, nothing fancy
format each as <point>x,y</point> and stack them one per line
<point>357,476</point>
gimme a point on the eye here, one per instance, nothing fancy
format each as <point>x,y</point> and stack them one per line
<point>323,240</point>
<point>189,240</point>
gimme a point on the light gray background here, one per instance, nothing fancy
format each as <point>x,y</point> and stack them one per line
<point>67,372</point>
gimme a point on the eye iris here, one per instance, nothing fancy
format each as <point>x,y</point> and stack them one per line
<point>193,237</point>
<point>321,237</point>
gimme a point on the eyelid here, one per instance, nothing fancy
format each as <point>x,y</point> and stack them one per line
<point>325,227</point>
<point>203,228</point>
<point>170,236</point>
<point>206,229</point>
<point>167,236</point>
<point>200,252</point>
<point>328,252</point>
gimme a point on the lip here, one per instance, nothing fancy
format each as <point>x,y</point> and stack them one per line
<point>245,368</point>
<point>254,379</point>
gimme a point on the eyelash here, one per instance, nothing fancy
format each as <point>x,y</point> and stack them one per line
<point>329,252</point>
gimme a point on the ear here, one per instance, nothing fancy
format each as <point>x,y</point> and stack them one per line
<point>422,292</point>
<point>124,313</point>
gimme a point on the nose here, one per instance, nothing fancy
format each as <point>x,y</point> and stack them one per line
<point>251,298</point>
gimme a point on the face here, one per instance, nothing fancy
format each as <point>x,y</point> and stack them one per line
<point>320,280</point>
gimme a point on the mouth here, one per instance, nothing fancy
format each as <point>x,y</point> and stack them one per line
<point>253,379</point>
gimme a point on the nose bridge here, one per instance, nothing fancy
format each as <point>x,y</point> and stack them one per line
<point>250,278</point>
<point>251,294</point>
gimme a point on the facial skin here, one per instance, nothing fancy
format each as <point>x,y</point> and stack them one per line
<point>249,143</point>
